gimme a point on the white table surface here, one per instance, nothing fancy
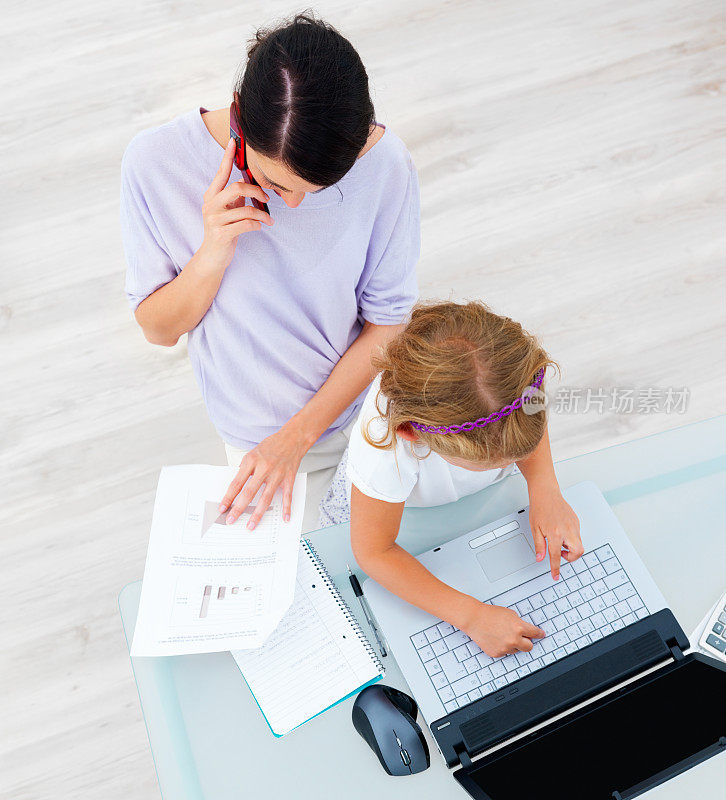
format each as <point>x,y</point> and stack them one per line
<point>210,741</point>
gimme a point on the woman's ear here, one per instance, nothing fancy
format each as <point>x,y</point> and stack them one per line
<point>406,432</point>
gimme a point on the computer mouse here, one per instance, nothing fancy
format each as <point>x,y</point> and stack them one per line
<point>386,719</point>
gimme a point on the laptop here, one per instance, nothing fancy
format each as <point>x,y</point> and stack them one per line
<point>606,706</point>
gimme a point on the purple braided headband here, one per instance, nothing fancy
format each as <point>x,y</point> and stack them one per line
<point>482,421</point>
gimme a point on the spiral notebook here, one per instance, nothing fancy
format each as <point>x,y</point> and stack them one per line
<point>317,656</point>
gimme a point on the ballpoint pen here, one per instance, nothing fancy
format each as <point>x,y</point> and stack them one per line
<point>366,609</point>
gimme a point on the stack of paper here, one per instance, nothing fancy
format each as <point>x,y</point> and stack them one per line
<point>209,586</point>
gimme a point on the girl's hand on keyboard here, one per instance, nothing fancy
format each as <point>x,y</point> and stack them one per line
<point>499,631</point>
<point>555,526</point>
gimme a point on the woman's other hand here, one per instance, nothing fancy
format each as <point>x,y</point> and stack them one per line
<point>272,464</point>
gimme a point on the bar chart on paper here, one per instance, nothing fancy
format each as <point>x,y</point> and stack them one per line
<point>195,602</point>
<point>203,524</point>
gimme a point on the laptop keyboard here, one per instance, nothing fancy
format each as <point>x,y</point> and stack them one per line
<point>593,598</point>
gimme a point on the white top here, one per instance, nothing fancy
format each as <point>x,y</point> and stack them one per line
<point>401,475</point>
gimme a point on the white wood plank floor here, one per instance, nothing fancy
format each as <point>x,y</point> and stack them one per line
<point>571,157</point>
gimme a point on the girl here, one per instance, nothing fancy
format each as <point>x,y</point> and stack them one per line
<point>286,275</point>
<point>451,412</point>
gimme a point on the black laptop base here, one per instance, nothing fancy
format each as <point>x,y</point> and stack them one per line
<point>467,732</point>
<point>617,747</point>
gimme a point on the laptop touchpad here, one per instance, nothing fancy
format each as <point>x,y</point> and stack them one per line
<point>505,558</point>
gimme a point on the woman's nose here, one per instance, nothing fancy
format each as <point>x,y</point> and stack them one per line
<point>293,199</point>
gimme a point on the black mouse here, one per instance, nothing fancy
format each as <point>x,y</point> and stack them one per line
<point>386,719</point>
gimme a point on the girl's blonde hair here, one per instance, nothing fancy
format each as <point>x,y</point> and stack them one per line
<point>455,363</point>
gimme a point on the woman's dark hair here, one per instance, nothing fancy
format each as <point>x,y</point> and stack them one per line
<point>304,99</point>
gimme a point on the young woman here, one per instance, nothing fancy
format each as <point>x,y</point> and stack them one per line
<point>283,306</point>
<point>451,413</point>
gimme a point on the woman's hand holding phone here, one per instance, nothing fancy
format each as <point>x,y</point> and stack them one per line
<point>499,631</point>
<point>226,215</point>
<point>179,305</point>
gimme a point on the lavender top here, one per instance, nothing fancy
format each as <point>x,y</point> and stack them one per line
<point>296,294</point>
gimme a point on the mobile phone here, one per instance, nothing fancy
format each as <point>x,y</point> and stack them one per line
<point>240,157</point>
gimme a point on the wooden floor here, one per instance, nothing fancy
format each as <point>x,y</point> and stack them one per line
<point>571,157</point>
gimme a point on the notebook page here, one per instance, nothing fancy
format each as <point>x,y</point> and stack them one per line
<point>313,659</point>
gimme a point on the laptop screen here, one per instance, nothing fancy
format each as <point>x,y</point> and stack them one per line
<point>637,733</point>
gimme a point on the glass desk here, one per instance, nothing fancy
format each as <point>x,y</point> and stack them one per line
<point>210,741</point>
